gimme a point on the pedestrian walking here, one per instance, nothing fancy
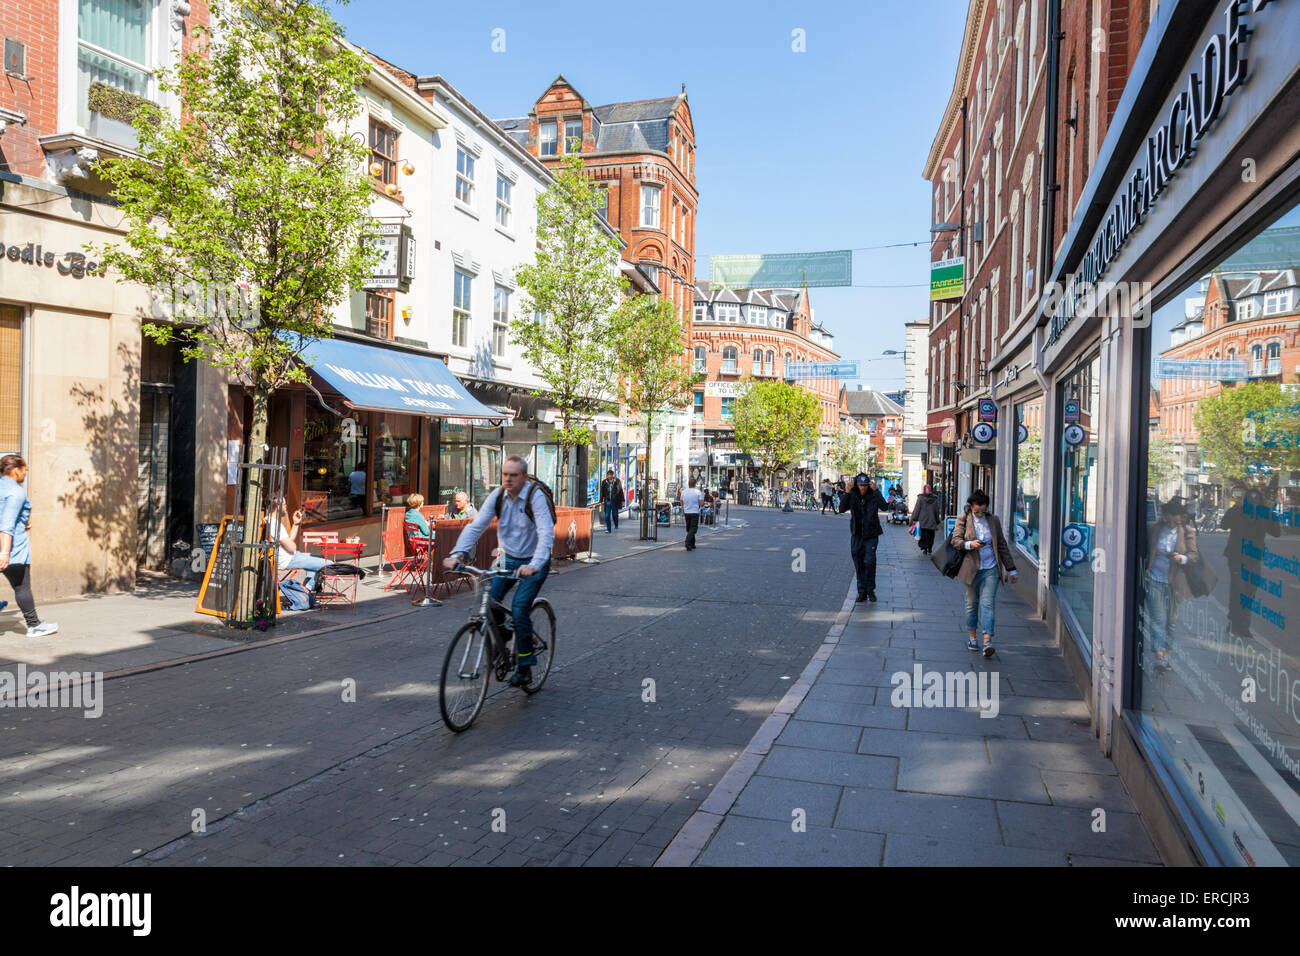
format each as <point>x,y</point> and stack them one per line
<point>611,500</point>
<point>926,514</point>
<point>985,561</point>
<point>691,498</point>
<point>828,491</point>
<point>1174,566</point>
<point>15,550</point>
<point>864,504</point>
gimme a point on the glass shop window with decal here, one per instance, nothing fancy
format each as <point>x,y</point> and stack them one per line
<point>333,465</point>
<point>1217,630</point>
<point>1027,520</point>
<point>1080,444</point>
<point>394,452</point>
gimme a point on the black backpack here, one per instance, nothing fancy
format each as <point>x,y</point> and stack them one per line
<point>528,501</point>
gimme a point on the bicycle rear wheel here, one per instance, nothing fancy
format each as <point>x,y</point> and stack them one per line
<point>543,618</point>
<point>465,673</point>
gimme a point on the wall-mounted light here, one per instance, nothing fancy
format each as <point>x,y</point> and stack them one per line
<point>391,189</point>
<point>408,167</point>
<point>376,169</point>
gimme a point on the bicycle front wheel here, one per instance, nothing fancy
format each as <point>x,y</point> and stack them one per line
<point>543,618</point>
<point>465,673</point>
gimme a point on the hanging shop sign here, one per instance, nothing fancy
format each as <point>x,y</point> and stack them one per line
<point>783,270</point>
<point>983,433</point>
<point>948,279</point>
<point>396,266</point>
<point>1075,435</point>
<point>988,411</point>
<point>1172,144</point>
<point>1070,412</point>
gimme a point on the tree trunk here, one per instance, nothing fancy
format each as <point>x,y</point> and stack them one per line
<point>646,500</point>
<point>253,507</point>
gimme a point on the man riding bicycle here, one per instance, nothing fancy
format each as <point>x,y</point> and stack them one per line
<point>526,542</point>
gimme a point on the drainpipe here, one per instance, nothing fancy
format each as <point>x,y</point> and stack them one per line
<point>1051,109</point>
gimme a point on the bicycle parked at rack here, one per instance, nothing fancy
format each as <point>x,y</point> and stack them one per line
<point>481,649</point>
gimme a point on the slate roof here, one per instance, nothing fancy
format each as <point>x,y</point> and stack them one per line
<point>870,402</point>
<point>638,126</point>
<point>516,127</point>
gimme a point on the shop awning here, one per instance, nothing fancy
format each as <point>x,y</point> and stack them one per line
<point>384,380</point>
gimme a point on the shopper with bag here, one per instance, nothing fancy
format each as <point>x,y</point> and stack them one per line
<point>925,516</point>
<point>985,560</point>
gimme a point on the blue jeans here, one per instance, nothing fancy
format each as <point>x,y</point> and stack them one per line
<point>864,561</point>
<point>979,600</point>
<point>1160,614</point>
<point>311,563</point>
<point>611,514</point>
<point>522,606</point>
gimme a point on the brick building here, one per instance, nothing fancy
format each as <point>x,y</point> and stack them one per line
<point>739,335</point>
<point>879,419</point>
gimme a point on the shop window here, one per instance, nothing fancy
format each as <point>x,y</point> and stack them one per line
<point>453,464</point>
<point>334,465</point>
<point>394,455</point>
<point>1080,443</point>
<point>1026,521</point>
<point>1216,686</point>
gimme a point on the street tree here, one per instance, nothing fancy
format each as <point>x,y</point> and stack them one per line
<point>851,452</point>
<point>653,373</point>
<point>1247,434</point>
<point>773,422</point>
<point>249,212</point>
<point>573,297</point>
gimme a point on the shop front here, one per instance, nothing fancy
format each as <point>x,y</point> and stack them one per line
<point>1156,471</point>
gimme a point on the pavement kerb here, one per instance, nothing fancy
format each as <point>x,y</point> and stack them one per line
<point>270,642</point>
<point>696,832</point>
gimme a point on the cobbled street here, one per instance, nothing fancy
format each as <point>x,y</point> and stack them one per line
<point>259,751</point>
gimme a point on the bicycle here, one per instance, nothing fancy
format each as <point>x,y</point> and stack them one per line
<point>467,669</point>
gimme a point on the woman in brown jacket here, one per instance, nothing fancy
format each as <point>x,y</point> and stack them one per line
<point>1173,549</point>
<point>987,558</point>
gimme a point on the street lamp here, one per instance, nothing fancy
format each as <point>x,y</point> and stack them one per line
<point>945,227</point>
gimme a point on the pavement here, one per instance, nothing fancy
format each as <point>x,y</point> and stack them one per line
<point>841,775</point>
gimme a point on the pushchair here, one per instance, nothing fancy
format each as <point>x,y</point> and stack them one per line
<point>898,511</point>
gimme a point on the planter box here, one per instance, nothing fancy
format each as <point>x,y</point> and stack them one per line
<point>113,130</point>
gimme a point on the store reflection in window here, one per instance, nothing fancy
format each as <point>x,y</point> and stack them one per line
<point>394,445</point>
<point>1029,475</point>
<point>1218,570</point>
<point>334,466</point>
<point>1080,475</point>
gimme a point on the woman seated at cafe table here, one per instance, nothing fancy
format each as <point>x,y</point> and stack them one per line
<point>414,503</point>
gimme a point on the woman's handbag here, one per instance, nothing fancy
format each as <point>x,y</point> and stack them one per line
<point>955,558</point>
<point>1198,578</point>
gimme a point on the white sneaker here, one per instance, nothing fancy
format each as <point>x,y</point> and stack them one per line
<point>43,629</point>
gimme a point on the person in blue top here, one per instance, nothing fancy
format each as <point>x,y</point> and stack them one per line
<point>414,502</point>
<point>15,551</point>
<point>526,542</point>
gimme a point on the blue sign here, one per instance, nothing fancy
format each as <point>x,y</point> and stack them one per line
<point>1022,434</point>
<point>1075,435</point>
<point>795,371</point>
<point>1077,537</point>
<point>593,489</point>
<point>983,433</point>
<point>1207,370</point>
<point>1070,412</point>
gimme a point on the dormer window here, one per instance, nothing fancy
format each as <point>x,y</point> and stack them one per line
<point>1276,302</point>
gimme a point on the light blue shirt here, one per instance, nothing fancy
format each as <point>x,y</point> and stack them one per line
<point>15,510</point>
<point>987,558</point>
<point>518,536</point>
<point>1166,543</point>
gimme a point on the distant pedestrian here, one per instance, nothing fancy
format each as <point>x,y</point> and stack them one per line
<point>15,550</point>
<point>691,499</point>
<point>926,514</point>
<point>979,534</point>
<point>828,491</point>
<point>864,503</point>
<point>611,500</point>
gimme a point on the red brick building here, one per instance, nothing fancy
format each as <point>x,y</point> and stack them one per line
<point>880,420</point>
<point>642,154</point>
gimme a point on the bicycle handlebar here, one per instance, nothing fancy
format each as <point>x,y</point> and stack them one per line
<point>466,568</point>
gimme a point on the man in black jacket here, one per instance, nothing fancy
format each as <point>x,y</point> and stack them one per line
<point>864,503</point>
<point>611,499</point>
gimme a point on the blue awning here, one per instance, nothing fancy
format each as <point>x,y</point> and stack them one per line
<point>383,380</point>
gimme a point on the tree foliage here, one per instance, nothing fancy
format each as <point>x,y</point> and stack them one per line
<point>1249,433</point>
<point>774,423</point>
<point>851,452</point>
<point>574,285</point>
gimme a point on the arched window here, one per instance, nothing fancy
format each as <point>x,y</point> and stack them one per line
<point>1257,360</point>
<point>729,360</point>
<point>699,358</point>
<point>771,363</point>
<point>758,361</point>
<point>1274,356</point>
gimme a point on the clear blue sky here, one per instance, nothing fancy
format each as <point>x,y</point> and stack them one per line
<point>796,152</point>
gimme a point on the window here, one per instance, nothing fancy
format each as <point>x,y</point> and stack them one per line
<point>572,136</point>
<point>727,407</point>
<point>464,176</point>
<point>697,410</point>
<point>114,46</point>
<point>729,364</point>
<point>604,202</point>
<point>1275,302</point>
<point>503,202</point>
<point>771,363</point>
<point>1026,523</point>
<point>1257,360</point>
<point>460,309</point>
<point>756,315</point>
<point>1274,355</point>
<point>379,314</point>
<point>1080,475</point>
<point>650,206</point>
<point>700,354</point>
<point>393,452</point>
<point>334,465</point>
<point>724,312</point>
<point>11,378</point>
<point>699,313</point>
<point>500,319</point>
<point>1244,310</point>
<point>383,151</point>
<point>548,133</point>
<point>758,361</point>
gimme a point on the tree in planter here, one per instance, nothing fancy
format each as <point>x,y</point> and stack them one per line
<point>573,296</point>
<point>257,188</point>
<point>652,369</point>
<point>772,421</point>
